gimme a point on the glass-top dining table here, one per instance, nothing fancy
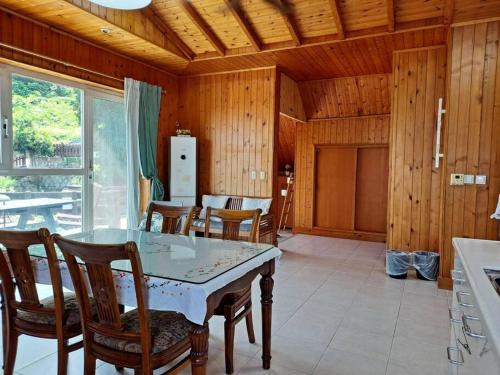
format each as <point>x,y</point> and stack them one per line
<point>189,275</point>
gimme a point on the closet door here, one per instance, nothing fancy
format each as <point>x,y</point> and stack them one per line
<point>334,187</point>
<point>371,189</point>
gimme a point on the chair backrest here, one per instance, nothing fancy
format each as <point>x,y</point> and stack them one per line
<point>234,203</point>
<point>16,272</point>
<point>96,264</point>
<point>231,222</point>
<point>171,216</point>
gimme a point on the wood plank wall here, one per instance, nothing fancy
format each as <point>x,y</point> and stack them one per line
<point>345,97</point>
<point>341,111</point>
<point>472,142</point>
<point>361,131</point>
<point>290,99</point>
<point>414,184</point>
<point>233,116</point>
<point>28,35</point>
<point>286,152</point>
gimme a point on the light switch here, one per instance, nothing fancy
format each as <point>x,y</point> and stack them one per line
<point>253,175</point>
<point>263,175</point>
<point>480,180</point>
<point>468,179</point>
<point>456,179</point>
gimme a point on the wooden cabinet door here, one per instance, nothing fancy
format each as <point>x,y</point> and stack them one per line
<point>371,189</point>
<point>334,187</point>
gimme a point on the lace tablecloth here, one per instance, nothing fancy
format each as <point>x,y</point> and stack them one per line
<point>187,298</point>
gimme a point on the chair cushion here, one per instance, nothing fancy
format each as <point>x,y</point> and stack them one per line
<point>199,223</point>
<point>167,329</point>
<point>253,203</point>
<point>214,201</point>
<point>156,222</point>
<point>70,305</point>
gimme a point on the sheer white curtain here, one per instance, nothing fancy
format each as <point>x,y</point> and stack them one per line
<point>132,97</point>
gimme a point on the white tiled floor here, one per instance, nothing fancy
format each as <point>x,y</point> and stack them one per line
<point>335,312</point>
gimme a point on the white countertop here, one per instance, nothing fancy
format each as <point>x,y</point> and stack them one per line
<point>476,255</point>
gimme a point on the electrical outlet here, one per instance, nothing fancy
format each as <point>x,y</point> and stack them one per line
<point>456,179</point>
<point>480,180</point>
<point>253,175</point>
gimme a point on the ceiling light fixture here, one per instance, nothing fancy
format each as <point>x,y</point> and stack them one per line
<point>123,4</point>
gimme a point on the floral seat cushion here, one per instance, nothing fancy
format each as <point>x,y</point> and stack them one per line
<point>70,305</point>
<point>156,222</point>
<point>167,329</point>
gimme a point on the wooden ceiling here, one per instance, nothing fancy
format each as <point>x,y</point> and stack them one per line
<point>286,150</point>
<point>318,39</point>
<point>371,55</point>
<point>347,97</point>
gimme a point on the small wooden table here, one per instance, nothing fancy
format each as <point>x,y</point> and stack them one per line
<point>189,275</point>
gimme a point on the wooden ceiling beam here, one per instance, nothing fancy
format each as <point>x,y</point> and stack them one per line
<point>125,22</point>
<point>289,19</point>
<point>169,33</point>
<point>334,5</point>
<point>203,26</point>
<point>449,9</point>
<point>390,16</point>
<point>403,27</point>
<point>292,28</point>
<point>242,20</point>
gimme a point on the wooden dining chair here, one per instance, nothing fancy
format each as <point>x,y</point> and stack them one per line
<point>56,317</point>
<point>231,304</point>
<point>141,339</point>
<point>171,217</point>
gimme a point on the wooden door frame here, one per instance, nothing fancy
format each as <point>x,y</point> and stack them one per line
<point>368,236</point>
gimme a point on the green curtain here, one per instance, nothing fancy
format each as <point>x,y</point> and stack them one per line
<point>149,111</point>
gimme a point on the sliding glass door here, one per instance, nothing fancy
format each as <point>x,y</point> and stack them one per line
<point>61,154</point>
<point>108,170</point>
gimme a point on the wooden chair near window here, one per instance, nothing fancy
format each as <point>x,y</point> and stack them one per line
<point>171,217</point>
<point>232,222</point>
<point>56,317</point>
<point>141,339</point>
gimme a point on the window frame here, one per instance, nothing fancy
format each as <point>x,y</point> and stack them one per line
<point>88,92</point>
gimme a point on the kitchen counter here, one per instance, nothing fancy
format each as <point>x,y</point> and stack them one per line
<point>475,256</point>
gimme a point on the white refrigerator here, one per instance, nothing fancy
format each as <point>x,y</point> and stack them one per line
<point>183,171</point>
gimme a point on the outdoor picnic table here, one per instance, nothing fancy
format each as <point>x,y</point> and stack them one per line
<point>40,206</point>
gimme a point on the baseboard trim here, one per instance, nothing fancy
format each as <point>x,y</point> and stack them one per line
<point>353,235</point>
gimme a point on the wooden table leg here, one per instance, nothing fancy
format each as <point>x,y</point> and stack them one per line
<point>199,350</point>
<point>266,288</point>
